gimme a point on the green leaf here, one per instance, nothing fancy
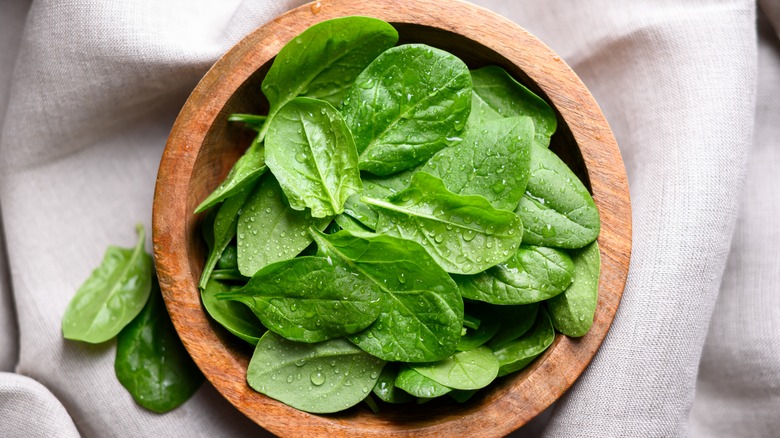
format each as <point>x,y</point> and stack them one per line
<point>346,222</point>
<point>253,121</point>
<point>532,274</point>
<point>244,173</point>
<point>412,101</point>
<point>517,354</point>
<point>496,94</point>
<point>464,234</point>
<point>471,369</point>
<point>515,322</point>
<point>418,385</point>
<point>269,231</point>
<point>422,312</point>
<point>312,154</point>
<point>112,296</point>
<point>572,311</point>
<point>385,387</point>
<point>488,327</point>
<point>377,187</point>
<point>491,161</point>
<point>151,362</point>
<point>311,299</point>
<point>225,224</point>
<point>319,378</point>
<point>324,60</point>
<point>236,317</point>
<point>557,209</point>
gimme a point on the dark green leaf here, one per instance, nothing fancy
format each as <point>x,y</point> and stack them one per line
<point>418,385</point>
<point>236,317</point>
<point>376,187</point>
<point>572,311</point>
<point>151,361</point>
<point>224,230</point>
<point>112,295</point>
<point>229,258</point>
<point>471,369</point>
<point>385,387</point>
<point>464,234</point>
<point>255,122</point>
<point>488,326</point>
<point>244,173</point>
<point>462,395</point>
<point>515,355</point>
<point>311,152</point>
<point>325,377</point>
<point>409,103</point>
<point>515,322</point>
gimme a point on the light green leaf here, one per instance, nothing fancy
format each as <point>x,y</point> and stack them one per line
<point>572,311</point>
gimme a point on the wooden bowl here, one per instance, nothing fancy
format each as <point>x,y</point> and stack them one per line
<point>203,146</point>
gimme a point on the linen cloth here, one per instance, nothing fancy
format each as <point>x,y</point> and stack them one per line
<point>88,94</point>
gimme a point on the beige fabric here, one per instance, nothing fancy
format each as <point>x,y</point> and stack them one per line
<point>688,87</point>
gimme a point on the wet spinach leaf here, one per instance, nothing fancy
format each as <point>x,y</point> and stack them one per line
<point>515,322</point>
<point>311,299</point>
<point>488,327</point>
<point>515,355</point>
<point>244,173</point>
<point>463,234</point>
<point>410,102</point>
<point>471,369</point>
<point>236,317</point>
<point>422,312</point>
<point>225,223</point>
<point>253,121</point>
<point>491,161</point>
<point>557,209</point>
<point>418,385</point>
<point>151,361</point>
<point>324,60</point>
<point>311,153</point>
<point>572,311</point>
<point>319,378</point>
<point>112,295</point>
<point>385,387</point>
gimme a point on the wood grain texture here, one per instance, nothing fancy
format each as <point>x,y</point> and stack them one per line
<point>203,146</point>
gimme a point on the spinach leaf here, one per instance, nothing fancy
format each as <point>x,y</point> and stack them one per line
<point>491,161</point>
<point>236,317</point>
<point>471,369</point>
<point>111,296</point>
<point>515,322</point>
<point>572,311</point>
<point>311,153</point>
<point>422,312</point>
<point>532,274</point>
<point>269,231</point>
<point>412,101</point>
<point>418,385</point>
<point>385,387</point>
<point>224,230</point>
<point>557,209</point>
<point>311,299</point>
<point>319,378</point>
<point>515,355</point>
<point>488,327</point>
<point>244,173</point>
<point>229,258</point>
<point>463,234</point>
<point>346,222</point>
<point>255,122</point>
<point>462,395</point>
<point>151,361</point>
<point>496,94</point>
<point>377,187</point>
<point>324,60</point>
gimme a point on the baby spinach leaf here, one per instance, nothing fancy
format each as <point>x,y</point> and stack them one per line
<point>224,230</point>
<point>532,274</point>
<point>572,311</point>
<point>311,299</point>
<point>236,317</point>
<point>311,153</point>
<point>422,312</point>
<point>346,222</point>
<point>515,322</point>
<point>319,378</point>
<point>488,327</point>
<point>471,369</point>
<point>557,209</point>
<point>496,94</point>
<point>463,234</point>
<point>253,121</point>
<point>324,60</point>
<point>244,173</point>
<point>515,355</point>
<point>111,296</point>
<point>269,231</point>
<point>151,361</point>
<point>462,395</point>
<point>418,385</point>
<point>229,258</point>
<point>491,161</point>
<point>410,102</point>
<point>385,387</point>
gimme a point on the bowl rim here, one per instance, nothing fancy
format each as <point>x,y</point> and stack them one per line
<point>524,395</point>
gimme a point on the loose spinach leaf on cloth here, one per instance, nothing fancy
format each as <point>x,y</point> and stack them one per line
<point>557,209</point>
<point>225,224</point>
<point>269,231</point>
<point>151,361</point>
<point>311,299</point>
<point>324,60</point>
<point>422,312</point>
<point>409,103</point>
<point>515,355</point>
<point>236,317</point>
<point>572,311</point>
<point>112,296</point>
<point>497,94</point>
<point>471,369</point>
<point>532,274</point>
<point>311,153</point>
<point>244,173</point>
<point>463,234</point>
<point>491,161</point>
<point>319,378</point>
